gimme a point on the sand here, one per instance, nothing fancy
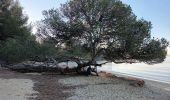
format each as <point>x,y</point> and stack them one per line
<point>16,89</point>
<point>31,86</point>
<point>15,86</point>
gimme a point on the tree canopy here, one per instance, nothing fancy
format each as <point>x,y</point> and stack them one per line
<point>13,23</point>
<point>17,43</point>
<point>102,28</point>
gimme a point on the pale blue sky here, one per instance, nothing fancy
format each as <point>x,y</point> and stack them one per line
<point>156,11</point>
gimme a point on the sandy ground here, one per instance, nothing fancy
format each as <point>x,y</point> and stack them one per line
<point>15,86</point>
<point>20,86</point>
<point>16,89</point>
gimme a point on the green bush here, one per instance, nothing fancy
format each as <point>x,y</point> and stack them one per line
<point>13,51</point>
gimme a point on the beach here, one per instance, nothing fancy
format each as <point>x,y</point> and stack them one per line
<point>156,72</point>
<point>102,88</point>
<point>51,86</point>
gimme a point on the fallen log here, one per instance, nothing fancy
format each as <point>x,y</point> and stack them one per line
<point>32,66</point>
<point>49,64</point>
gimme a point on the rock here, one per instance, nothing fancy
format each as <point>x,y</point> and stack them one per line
<point>32,66</point>
<point>138,83</point>
<point>62,67</point>
<point>51,65</point>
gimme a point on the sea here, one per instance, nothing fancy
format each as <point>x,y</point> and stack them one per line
<point>157,72</point>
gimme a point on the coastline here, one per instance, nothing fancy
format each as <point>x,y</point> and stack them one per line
<point>156,83</point>
<point>138,77</point>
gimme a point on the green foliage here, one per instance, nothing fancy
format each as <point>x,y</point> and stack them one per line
<point>12,21</point>
<point>46,49</point>
<point>105,28</point>
<point>16,41</point>
<point>74,52</point>
<point>14,50</point>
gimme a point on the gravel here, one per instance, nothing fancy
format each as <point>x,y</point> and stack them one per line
<point>100,88</point>
<point>73,87</point>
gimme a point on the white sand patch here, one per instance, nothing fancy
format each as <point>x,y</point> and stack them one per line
<point>168,51</point>
<point>16,89</point>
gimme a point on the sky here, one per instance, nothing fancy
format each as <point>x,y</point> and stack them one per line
<point>156,11</point>
<point>34,8</point>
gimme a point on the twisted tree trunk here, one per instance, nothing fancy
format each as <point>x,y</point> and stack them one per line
<point>52,65</point>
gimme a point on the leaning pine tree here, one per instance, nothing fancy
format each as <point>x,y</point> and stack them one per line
<point>102,28</point>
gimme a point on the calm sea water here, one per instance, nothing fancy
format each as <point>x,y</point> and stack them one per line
<point>157,72</point>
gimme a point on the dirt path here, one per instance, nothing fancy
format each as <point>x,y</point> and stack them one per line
<point>44,87</point>
<point>49,88</point>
